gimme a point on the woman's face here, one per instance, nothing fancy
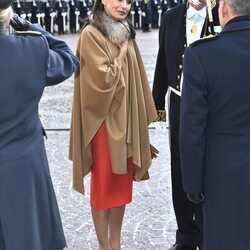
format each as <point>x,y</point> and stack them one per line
<point>117,9</point>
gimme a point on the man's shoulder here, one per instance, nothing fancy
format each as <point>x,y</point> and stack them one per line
<point>175,10</point>
<point>204,40</point>
<point>28,32</point>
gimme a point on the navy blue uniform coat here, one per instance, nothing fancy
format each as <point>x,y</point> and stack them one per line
<point>29,216</point>
<point>215,134</point>
<point>168,71</point>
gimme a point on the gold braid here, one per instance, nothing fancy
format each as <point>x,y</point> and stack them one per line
<point>213,3</point>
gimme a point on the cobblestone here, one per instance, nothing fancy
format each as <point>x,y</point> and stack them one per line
<point>149,222</point>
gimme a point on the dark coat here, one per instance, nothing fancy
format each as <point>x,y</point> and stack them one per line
<point>172,39</point>
<point>215,133</point>
<point>146,12</point>
<point>62,15</point>
<point>74,12</point>
<point>168,71</point>
<point>29,216</point>
<point>136,10</point>
<point>50,15</point>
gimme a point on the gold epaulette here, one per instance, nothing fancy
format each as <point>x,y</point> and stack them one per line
<point>161,116</point>
<point>204,39</point>
<point>28,32</point>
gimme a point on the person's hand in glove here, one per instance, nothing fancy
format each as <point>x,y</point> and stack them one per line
<point>18,23</point>
<point>196,198</point>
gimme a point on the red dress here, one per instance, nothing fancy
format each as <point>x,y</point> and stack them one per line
<point>108,190</point>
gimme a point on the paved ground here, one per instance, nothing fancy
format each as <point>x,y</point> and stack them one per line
<point>149,222</point>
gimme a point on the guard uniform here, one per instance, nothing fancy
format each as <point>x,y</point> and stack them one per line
<point>136,13</point>
<point>50,15</point>
<point>74,13</point>
<point>168,75</point>
<point>84,11</point>
<point>29,215</point>
<point>34,11</point>
<point>40,12</point>
<point>215,135</point>
<point>146,15</point>
<point>62,18</point>
<point>156,13</point>
<point>164,6</point>
<point>19,8</point>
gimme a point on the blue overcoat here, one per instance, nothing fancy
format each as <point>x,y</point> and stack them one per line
<point>29,216</point>
<point>215,133</point>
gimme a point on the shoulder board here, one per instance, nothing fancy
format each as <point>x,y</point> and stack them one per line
<point>28,32</point>
<point>204,39</point>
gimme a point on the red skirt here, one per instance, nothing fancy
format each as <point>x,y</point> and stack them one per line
<point>107,190</point>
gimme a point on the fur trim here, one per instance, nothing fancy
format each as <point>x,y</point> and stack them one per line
<point>115,31</point>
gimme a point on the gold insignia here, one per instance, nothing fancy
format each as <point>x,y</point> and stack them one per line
<point>161,116</point>
<point>213,3</point>
<point>193,29</point>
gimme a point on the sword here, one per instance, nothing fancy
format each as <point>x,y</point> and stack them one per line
<point>140,18</point>
<point>77,13</point>
<point>159,19</point>
<point>38,18</point>
<point>64,20</point>
<point>133,18</point>
<point>52,14</point>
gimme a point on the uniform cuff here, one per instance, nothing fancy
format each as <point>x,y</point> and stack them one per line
<point>161,116</point>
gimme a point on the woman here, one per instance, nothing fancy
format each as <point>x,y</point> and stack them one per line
<point>112,108</point>
<point>29,215</point>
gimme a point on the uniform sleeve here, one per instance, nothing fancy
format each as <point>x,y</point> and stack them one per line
<point>160,83</point>
<point>193,121</point>
<point>61,62</point>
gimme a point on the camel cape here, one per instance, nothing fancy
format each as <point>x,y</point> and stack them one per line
<point>117,93</point>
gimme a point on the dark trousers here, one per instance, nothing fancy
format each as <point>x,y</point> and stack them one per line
<point>189,216</point>
<point>145,27</point>
<point>2,245</point>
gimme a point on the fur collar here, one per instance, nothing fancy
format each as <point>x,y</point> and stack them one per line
<point>115,31</point>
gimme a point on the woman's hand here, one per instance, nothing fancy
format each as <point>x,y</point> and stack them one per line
<point>123,49</point>
<point>154,151</point>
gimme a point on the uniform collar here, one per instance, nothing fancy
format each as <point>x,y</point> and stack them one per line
<point>237,23</point>
<point>194,14</point>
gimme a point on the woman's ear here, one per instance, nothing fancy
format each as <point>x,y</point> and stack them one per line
<point>104,2</point>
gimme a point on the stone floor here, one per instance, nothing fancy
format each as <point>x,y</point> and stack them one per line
<point>149,222</point>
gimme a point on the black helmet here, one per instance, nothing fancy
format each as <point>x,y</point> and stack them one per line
<point>4,4</point>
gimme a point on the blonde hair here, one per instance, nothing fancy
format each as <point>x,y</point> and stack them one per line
<point>5,16</point>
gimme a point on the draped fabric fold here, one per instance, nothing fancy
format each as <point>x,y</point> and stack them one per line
<point>117,93</point>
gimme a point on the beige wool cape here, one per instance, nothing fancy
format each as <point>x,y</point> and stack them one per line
<point>117,93</point>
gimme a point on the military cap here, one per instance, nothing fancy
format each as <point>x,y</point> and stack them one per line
<point>4,4</point>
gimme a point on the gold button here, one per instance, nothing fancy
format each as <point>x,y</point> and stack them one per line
<point>177,87</point>
<point>180,66</point>
<point>179,77</point>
